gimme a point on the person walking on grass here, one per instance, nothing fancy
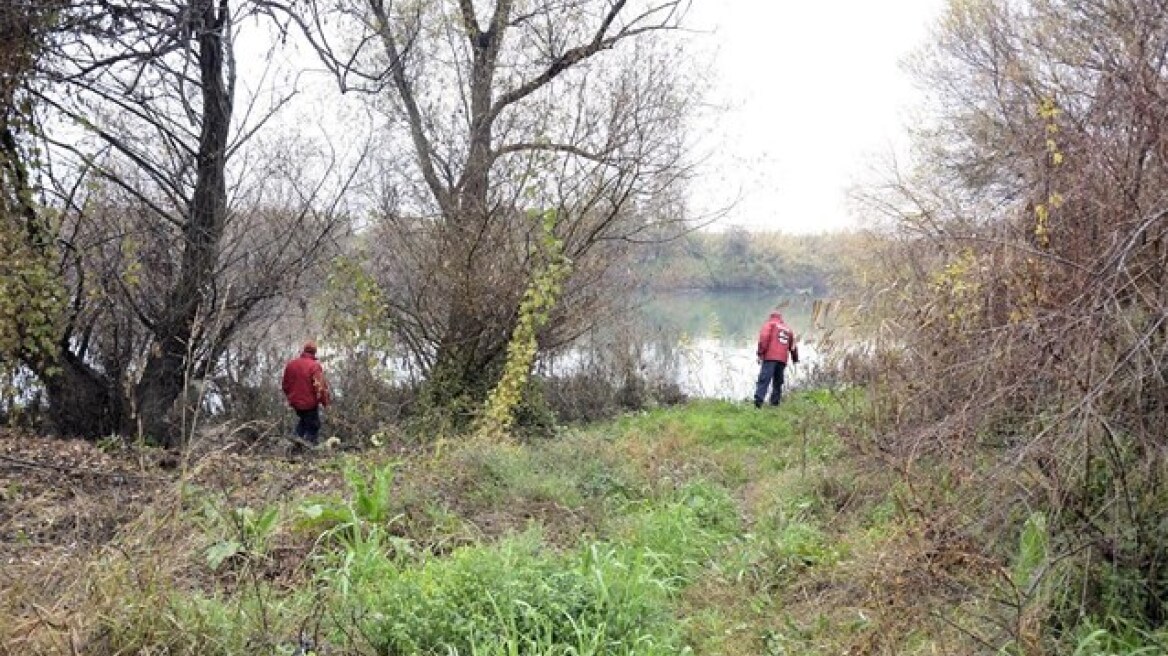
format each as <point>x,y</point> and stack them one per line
<point>776,345</point>
<point>307,392</point>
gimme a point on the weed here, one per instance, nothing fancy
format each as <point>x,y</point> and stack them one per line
<point>370,501</point>
<point>514,594</point>
<point>250,535</point>
<point>1117,637</point>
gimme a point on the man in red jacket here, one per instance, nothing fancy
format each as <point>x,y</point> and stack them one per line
<point>776,344</point>
<point>307,391</point>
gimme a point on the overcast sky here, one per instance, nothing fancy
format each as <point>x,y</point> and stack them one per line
<point>813,91</point>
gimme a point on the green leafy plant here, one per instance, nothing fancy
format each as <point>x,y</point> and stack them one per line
<point>250,537</point>
<point>1033,547</point>
<point>368,505</point>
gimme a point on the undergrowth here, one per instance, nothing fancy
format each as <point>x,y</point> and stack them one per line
<point>712,528</point>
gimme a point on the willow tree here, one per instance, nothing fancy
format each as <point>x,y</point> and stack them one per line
<point>160,263</point>
<point>511,110</point>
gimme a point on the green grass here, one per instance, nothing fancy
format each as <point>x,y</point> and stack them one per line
<point>798,433</point>
<point>1117,638</point>
<point>681,530</point>
<point>710,528</point>
<point>739,423</point>
<point>600,598</point>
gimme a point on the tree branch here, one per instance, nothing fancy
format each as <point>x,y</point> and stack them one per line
<point>600,158</point>
<point>413,113</point>
<point>601,40</point>
<point>470,21</point>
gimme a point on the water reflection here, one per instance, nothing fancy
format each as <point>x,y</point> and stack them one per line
<point>701,342</point>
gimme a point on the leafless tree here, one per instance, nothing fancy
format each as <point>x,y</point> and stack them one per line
<point>1025,295</point>
<point>167,248</point>
<point>509,109</point>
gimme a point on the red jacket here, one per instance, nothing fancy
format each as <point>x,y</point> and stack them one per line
<point>776,340</point>
<point>304,383</point>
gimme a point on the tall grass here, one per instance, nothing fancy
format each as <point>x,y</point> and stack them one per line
<point>680,530</point>
<point>518,594</point>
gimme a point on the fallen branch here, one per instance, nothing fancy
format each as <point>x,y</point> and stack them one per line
<point>77,470</point>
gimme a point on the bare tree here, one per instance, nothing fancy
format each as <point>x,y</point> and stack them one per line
<point>1027,290</point>
<point>509,109</point>
<point>165,253</point>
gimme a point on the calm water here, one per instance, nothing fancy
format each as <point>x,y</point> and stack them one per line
<point>714,337</point>
<point>703,341</point>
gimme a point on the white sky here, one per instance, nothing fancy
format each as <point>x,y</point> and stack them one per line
<point>806,96</point>
<point>814,93</point>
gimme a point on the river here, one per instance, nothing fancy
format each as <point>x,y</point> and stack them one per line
<point>704,342</point>
<point>714,336</point>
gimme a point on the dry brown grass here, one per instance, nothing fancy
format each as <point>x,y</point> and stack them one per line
<point>88,535</point>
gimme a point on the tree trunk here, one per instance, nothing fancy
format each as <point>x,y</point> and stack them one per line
<point>469,359</point>
<point>468,364</point>
<point>82,402</point>
<point>161,384</point>
<point>168,366</point>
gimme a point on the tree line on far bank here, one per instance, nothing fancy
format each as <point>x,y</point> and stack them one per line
<point>817,265</point>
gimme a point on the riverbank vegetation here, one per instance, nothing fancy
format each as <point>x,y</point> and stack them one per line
<point>1021,313</point>
<point>712,528</point>
<point>709,529</point>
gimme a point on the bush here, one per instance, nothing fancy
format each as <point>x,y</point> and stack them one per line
<point>1018,303</point>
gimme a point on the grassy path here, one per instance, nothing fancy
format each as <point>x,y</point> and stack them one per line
<point>712,528</point>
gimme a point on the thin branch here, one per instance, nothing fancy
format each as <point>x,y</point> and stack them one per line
<point>414,115</point>
<point>601,40</point>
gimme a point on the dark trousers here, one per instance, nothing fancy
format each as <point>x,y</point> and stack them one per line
<point>309,425</point>
<point>770,374</point>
